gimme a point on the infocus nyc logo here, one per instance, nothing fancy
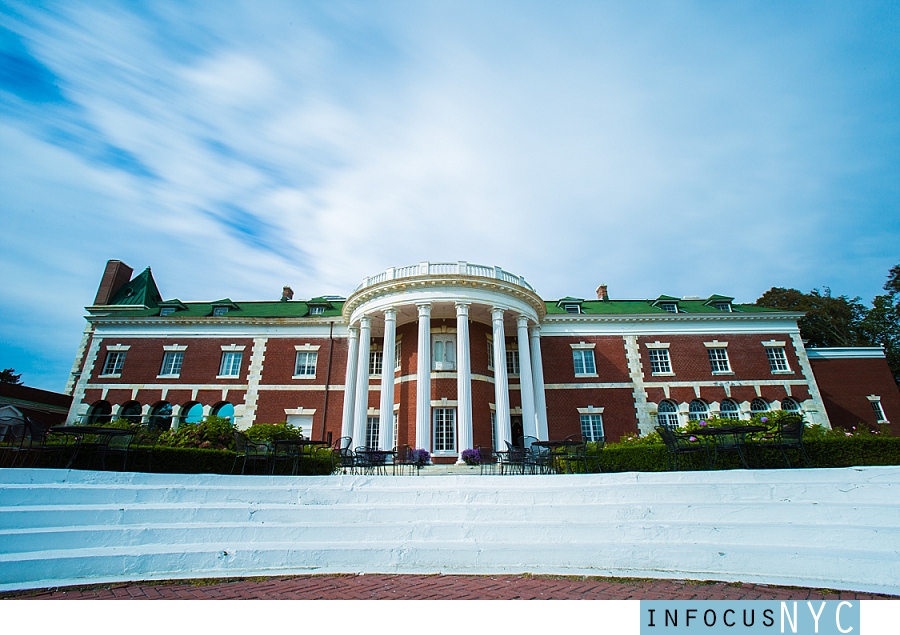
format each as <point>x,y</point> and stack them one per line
<point>750,617</point>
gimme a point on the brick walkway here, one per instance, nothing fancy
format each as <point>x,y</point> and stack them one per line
<point>440,587</point>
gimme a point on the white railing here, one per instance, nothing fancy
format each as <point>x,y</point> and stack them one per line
<point>461,268</point>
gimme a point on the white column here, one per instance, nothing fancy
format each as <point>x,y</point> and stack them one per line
<point>537,371</point>
<point>362,383</point>
<point>501,381</point>
<point>423,379</point>
<point>463,380</point>
<point>526,384</point>
<point>386,416</point>
<point>350,382</point>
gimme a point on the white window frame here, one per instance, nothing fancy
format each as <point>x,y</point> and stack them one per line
<point>446,351</point>
<point>591,420</point>
<point>667,418</point>
<point>373,431</point>
<point>724,306</point>
<point>757,400</point>
<point>228,367</point>
<point>115,359</point>
<point>172,364</point>
<point>490,351</point>
<point>662,364</point>
<point>397,358</point>
<point>671,307</point>
<point>512,363</point>
<point>166,310</point>
<point>316,310</point>
<point>376,363</point>
<point>697,415</point>
<point>797,410</point>
<point>729,413</point>
<point>718,357</point>
<point>310,361</point>
<point>583,355</point>
<point>880,417</point>
<point>219,311</point>
<point>443,430</point>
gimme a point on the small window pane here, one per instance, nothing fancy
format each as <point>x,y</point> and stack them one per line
<point>729,410</point>
<point>777,359</point>
<point>879,411</point>
<point>375,362</point>
<point>759,405</point>
<point>659,361</point>
<point>584,362</point>
<point>172,363</point>
<point>306,364</point>
<point>512,362</point>
<point>592,427</point>
<point>373,432</point>
<point>698,410</point>
<point>444,429</point>
<point>718,360</point>
<point>667,415</point>
<point>790,405</point>
<point>114,362</point>
<point>231,364</point>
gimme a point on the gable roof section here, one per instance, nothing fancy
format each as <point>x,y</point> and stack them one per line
<point>139,291</point>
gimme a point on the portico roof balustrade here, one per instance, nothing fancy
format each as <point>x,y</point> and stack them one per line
<point>460,268</point>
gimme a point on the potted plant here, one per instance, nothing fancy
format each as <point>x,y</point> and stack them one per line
<point>471,456</point>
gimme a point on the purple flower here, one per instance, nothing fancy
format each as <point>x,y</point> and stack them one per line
<point>764,419</point>
<point>703,423</point>
<point>692,438</point>
<point>848,434</point>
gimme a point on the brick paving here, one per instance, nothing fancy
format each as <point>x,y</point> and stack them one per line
<point>438,587</point>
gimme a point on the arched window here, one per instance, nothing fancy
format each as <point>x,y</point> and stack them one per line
<point>192,412</point>
<point>729,409</point>
<point>699,410</point>
<point>667,415</point>
<point>161,416</point>
<point>758,406</point>
<point>790,405</point>
<point>131,411</point>
<point>224,410</point>
<point>100,412</point>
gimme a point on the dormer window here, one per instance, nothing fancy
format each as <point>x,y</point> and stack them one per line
<point>572,308</point>
<point>167,310</point>
<point>671,307</point>
<point>316,310</point>
<point>219,311</point>
<point>724,306</point>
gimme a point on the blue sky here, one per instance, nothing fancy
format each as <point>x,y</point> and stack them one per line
<point>686,148</point>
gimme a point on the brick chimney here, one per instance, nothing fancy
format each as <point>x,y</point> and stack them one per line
<point>602,293</point>
<point>287,294</point>
<point>117,273</point>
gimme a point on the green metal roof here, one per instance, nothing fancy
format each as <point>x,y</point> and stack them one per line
<point>636,307</point>
<point>139,291</point>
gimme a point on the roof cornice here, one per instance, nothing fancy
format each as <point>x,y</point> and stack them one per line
<point>672,317</point>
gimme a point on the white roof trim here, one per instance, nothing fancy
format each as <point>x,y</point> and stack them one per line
<point>846,352</point>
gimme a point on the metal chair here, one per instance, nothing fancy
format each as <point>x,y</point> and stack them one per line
<point>512,460</point>
<point>593,455</point>
<point>678,445</point>
<point>342,455</point>
<point>404,458</point>
<point>250,451</point>
<point>487,461</point>
<point>789,436</point>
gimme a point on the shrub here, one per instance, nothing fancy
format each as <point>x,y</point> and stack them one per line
<point>214,433</point>
<point>273,431</point>
<point>471,456</point>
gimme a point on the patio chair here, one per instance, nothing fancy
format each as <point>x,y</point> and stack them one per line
<point>537,458</point>
<point>789,436</point>
<point>512,460</point>
<point>679,445</point>
<point>487,462</point>
<point>250,451</point>
<point>342,455</point>
<point>116,445</point>
<point>404,459</point>
<point>36,444</point>
<point>593,455</point>
<point>12,434</point>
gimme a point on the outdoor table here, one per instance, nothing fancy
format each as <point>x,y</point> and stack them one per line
<point>303,446</point>
<point>729,437</point>
<point>373,460</point>
<point>553,446</point>
<point>78,433</point>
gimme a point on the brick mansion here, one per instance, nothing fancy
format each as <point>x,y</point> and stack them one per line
<point>450,356</point>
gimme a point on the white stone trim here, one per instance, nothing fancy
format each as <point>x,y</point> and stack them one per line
<point>715,344</point>
<point>583,346</point>
<point>590,410</point>
<point>175,348</point>
<point>307,348</point>
<point>254,376</point>
<point>301,411</point>
<point>846,352</point>
<point>443,402</point>
<point>656,344</point>
<point>232,348</point>
<point>117,348</point>
<point>774,344</point>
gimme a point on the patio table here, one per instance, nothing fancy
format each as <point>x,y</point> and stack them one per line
<point>729,439</point>
<point>304,447</point>
<point>373,461</point>
<point>555,455</point>
<point>78,433</point>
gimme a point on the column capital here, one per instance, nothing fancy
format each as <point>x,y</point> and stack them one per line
<point>522,320</point>
<point>535,330</point>
<point>365,322</point>
<point>353,330</point>
<point>462,308</point>
<point>390,313</point>
<point>497,313</point>
<point>424,308</point>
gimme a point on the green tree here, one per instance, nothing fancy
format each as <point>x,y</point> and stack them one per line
<point>829,320</point>
<point>882,324</point>
<point>9,376</point>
